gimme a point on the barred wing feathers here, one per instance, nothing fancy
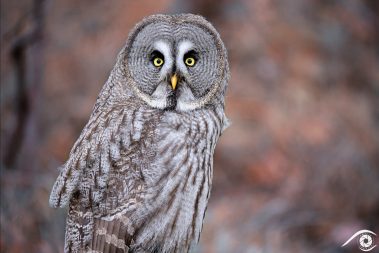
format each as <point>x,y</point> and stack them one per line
<point>89,181</point>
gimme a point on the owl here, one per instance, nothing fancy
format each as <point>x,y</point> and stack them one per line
<point>139,177</point>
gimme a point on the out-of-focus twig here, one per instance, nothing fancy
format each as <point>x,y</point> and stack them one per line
<point>23,99</point>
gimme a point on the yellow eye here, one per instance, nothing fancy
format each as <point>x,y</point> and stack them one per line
<point>158,62</point>
<point>190,61</point>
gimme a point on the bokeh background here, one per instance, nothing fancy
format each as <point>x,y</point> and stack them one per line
<point>298,170</point>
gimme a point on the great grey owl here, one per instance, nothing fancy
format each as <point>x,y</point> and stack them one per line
<point>138,178</point>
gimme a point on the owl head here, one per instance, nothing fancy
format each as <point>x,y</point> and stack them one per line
<point>176,62</point>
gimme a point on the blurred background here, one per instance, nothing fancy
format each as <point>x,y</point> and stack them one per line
<point>298,170</point>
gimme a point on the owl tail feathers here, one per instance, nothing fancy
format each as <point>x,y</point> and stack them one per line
<point>64,187</point>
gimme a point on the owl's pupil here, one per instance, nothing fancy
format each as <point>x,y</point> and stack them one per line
<point>190,61</point>
<point>158,62</point>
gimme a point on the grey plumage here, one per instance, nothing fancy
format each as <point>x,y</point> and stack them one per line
<point>139,177</point>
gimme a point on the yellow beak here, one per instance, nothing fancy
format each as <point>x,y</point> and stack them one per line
<point>174,81</point>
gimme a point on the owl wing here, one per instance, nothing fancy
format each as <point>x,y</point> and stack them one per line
<point>83,155</point>
<point>105,142</point>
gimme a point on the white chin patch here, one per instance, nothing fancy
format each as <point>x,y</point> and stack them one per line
<point>185,107</point>
<point>186,100</point>
<point>159,98</point>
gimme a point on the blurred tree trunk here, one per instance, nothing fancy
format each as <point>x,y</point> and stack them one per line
<point>27,56</point>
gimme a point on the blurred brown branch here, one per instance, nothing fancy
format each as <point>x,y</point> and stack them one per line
<point>23,99</point>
